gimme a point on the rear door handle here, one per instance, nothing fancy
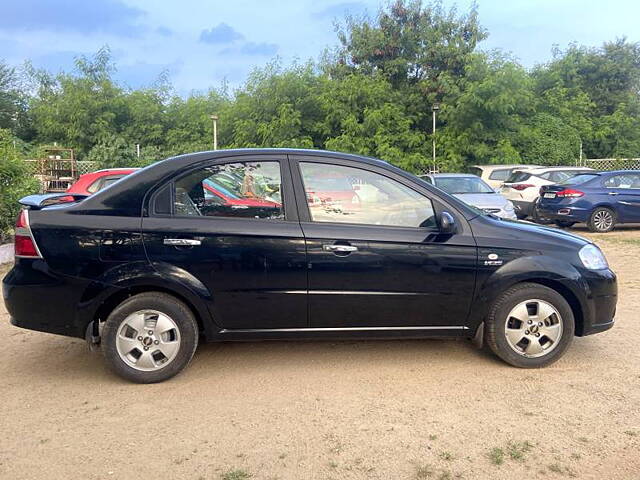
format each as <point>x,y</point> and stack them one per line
<point>181,242</point>
<point>614,193</point>
<point>340,248</point>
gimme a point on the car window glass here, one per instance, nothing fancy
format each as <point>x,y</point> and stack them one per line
<point>627,180</point>
<point>518,176</point>
<point>352,195</point>
<point>95,186</point>
<point>501,174</point>
<point>246,190</point>
<point>456,185</point>
<point>578,179</point>
<point>475,171</point>
<point>110,181</point>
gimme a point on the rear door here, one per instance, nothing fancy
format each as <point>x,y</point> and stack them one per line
<point>248,253</point>
<point>624,191</point>
<point>376,256</point>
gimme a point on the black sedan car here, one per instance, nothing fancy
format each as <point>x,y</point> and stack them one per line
<point>317,245</point>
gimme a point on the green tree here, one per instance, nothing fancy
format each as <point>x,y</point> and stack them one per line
<point>16,181</point>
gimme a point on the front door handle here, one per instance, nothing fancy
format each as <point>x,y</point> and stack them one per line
<point>339,248</point>
<point>614,193</point>
<point>181,242</point>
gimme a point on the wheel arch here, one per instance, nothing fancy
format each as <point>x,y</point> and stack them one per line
<point>563,279</point>
<point>119,296</point>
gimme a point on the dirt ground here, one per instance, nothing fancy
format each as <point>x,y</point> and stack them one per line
<point>331,410</point>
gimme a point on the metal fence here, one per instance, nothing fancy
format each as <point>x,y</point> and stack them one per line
<point>85,166</point>
<point>613,163</point>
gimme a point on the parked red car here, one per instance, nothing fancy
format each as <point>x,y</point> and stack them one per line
<point>90,183</point>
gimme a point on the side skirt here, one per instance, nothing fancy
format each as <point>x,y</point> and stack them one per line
<point>342,333</point>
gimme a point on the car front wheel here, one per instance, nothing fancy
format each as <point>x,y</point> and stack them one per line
<point>530,326</point>
<point>149,337</point>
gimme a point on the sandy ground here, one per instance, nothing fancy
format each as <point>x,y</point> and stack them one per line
<point>328,410</point>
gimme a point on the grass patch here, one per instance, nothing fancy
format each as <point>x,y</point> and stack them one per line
<point>424,471</point>
<point>517,450</point>
<point>446,456</point>
<point>236,474</point>
<point>496,455</point>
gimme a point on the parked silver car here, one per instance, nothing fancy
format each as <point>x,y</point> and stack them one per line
<point>474,191</point>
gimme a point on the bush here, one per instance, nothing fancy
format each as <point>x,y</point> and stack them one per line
<point>16,181</point>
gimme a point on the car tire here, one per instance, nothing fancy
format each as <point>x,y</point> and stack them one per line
<point>515,315</point>
<point>564,223</point>
<point>535,216</point>
<point>149,337</point>
<point>602,220</point>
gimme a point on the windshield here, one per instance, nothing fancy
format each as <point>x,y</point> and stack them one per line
<point>457,185</point>
<point>578,179</point>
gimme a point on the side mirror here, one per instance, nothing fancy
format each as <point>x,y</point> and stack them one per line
<point>447,223</point>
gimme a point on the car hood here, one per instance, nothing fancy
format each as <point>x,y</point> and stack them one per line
<point>520,231</point>
<point>483,200</point>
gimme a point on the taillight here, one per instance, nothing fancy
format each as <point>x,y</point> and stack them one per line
<point>521,186</point>
<point>570,193</point>
<point>25,245</point>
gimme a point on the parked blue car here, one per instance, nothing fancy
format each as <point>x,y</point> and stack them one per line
<point>601,199</point>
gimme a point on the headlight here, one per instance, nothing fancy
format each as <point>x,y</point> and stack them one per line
<point>592,257</point>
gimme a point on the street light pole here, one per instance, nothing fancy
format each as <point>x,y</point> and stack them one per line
<point>434,109</point>
<point>215,131</point>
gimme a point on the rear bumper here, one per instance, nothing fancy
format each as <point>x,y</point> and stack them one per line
<point>38,300</point>
<point>523,208</point>
<point>565,212</point>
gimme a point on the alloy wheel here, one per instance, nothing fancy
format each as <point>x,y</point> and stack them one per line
<point>148,340</point>
<point>533,328</point>
<point>603,220</point>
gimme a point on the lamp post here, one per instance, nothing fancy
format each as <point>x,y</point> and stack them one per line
<point>434,109</point>
<point>215,131</point>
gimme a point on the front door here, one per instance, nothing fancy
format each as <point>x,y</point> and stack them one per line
<point>232,227</point>
<point>376,256</point>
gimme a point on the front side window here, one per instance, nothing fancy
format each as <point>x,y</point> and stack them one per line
<point>352,195</point>
<point>243,189</point>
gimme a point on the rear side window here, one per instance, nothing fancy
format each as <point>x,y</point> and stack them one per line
<point>240,190</point>
<point>627,180</point>
<point>501,174</point>
<point>475,171</point>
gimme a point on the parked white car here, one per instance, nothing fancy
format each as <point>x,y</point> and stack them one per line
<point>523,186</point>
<point>474,191</point>
<point>496,175</point>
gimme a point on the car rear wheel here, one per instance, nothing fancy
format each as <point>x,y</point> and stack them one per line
<point>564,224</point>
<point>149,337</point>
<point>530,326</point>
<point>602,220</point>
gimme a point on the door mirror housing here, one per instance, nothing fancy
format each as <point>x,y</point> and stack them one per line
<point>447,223</point>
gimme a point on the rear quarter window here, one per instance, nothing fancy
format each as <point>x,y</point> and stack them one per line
<point>518,177</point>
<point>501,174</point>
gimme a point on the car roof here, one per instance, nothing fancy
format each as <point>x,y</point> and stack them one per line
<point>517,165</point>
<point>555,169</point>
<point>443,175</point>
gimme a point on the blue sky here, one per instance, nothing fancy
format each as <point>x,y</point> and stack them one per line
<point>201,43</point>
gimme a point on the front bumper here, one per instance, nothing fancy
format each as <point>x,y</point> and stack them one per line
<point>599,304</point>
